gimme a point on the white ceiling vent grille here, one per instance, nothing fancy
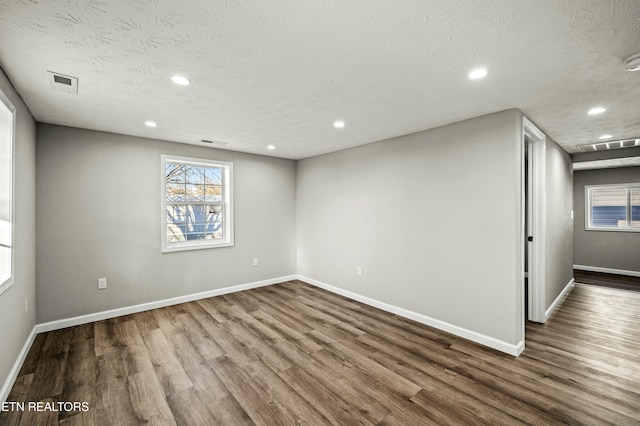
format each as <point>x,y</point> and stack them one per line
<point>604,146</point>
<point>212,142</point>
<point>62,83</point>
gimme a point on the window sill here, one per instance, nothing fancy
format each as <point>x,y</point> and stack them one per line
<point>195,246</point>
<point>631,230</point>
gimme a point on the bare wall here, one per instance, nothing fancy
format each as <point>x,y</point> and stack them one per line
<point>16,325</point>
<point>559,225</point>
<point>99,216</point>
<point>604,249</point>
<point>432,218</point>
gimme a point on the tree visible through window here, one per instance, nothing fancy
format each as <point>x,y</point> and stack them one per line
<point>613,207</point>
<point>197,204</point>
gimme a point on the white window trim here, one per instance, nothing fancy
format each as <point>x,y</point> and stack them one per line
<point>227,192</point>
<point>587,207</point>
<point>8,281</point>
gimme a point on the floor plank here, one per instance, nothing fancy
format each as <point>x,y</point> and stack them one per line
<point>295,354</point>
<point>623,282</point>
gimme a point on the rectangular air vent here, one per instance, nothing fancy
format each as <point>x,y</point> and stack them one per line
<point>604,146</point>
<point>62,83</point>
<point>218,143</point>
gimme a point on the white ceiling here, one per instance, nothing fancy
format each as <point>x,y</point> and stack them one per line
<point>281,72</point>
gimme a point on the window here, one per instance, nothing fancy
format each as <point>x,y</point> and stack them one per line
<point>613,207</point>
<point>6,192</point>
<point>196,204</point>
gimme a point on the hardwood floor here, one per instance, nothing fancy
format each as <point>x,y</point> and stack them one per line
<point>294,354</point>
<point>622,282</point>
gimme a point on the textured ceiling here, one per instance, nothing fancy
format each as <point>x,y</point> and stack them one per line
<point>281,72</point>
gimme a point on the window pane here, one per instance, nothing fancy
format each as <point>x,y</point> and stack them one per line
<point>635,208</point>
<point>176,214</point>
<point>5,233</point>
<point>213,193</point>
<point>194,174</point>
<point>175,192</point>
<point>195,236</point>
<point>214,222</point>
<point>198,214</point>
<point>195,192</point>
<point>609,207</point>
<point>213,176</point>
<point>6,193</point>
<point>5,263</point>
<point>174,173</point>
<point>176,223</point>
<point>175,233</point>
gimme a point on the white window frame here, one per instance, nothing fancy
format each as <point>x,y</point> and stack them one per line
<point>587,207</point>
<point>227,205</point>
<point>7,278</point>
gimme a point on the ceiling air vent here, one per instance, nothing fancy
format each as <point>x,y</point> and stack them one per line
<point>604,146</point>
<point>218,143</point>
<point>62,83</point>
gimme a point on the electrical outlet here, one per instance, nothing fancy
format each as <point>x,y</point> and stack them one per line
<point>359,271</point>
<point>26,305</point>
<point>102,283</point>
<point>255,261</point>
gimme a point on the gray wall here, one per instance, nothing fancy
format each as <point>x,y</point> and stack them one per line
<point>99,216</point>
<point>433,218</point>
<point>559,225</point>
<point>16,325</point>
<point>604,249</point>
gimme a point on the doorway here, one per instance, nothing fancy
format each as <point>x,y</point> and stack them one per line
<point>533,280</point>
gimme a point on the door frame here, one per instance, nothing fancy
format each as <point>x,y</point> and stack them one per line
<point>536,204</point>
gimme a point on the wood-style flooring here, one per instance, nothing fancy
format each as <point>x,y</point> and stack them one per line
<point>294,354</point>
<point>622,282</point>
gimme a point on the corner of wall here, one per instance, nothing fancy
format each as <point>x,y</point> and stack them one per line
<point>16,337</point>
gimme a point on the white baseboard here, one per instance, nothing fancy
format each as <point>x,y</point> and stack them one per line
<point>558,299</point>
<point>607,270</point>
<point>482,339</point>
<point>13,374</point>
<point>491,342</point>
<point>127,310</point>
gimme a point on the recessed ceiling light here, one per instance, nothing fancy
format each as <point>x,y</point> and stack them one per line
<point>182,81</point>
<point>150,123</point>
<point>596,111</point>
<point>338,124</point>
<point>478,73</point>
<point>605,137</point>
<point>271,147</point>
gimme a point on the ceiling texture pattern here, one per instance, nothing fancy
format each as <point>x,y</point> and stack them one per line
<point>281,72</point>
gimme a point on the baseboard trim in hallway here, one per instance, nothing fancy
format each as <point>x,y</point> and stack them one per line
<point>607,270</point>
<point>561,296</point>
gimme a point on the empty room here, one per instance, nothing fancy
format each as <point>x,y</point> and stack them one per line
<point>319,212</point>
